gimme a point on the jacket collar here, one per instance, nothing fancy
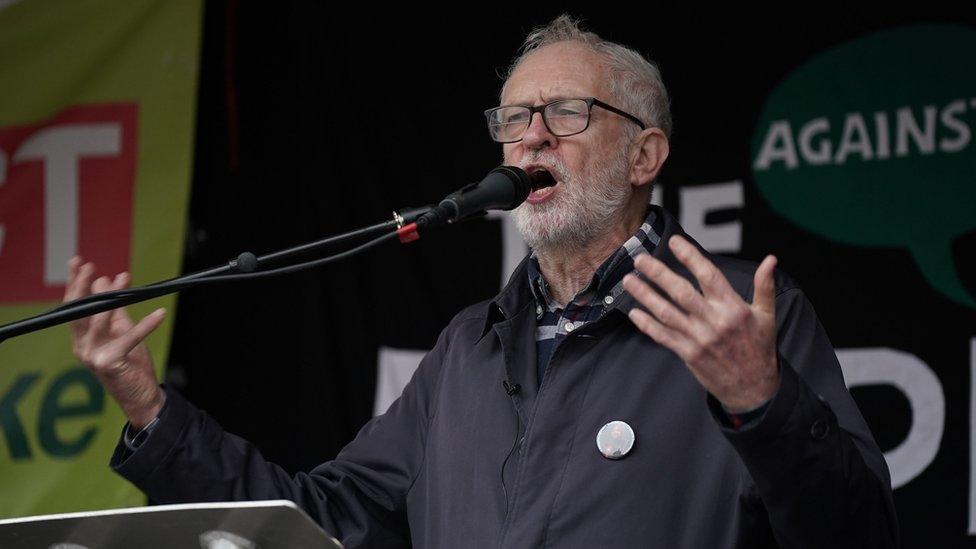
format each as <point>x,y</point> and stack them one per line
<point>518,293</point>
<point>515,295</point>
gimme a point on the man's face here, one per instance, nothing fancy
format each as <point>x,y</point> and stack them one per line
<point>590,169</point>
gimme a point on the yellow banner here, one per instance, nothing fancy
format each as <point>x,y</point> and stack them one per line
<point>96,138</point>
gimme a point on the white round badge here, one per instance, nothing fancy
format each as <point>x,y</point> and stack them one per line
<point>615,440</point>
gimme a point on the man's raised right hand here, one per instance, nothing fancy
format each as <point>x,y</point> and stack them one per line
<point>112,347</point>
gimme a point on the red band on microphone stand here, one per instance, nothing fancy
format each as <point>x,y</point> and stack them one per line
<point>408,233</point>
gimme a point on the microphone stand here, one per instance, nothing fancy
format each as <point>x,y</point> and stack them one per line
<point>243,267</point>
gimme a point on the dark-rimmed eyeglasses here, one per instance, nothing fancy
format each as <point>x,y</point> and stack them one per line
<point>563,117</point>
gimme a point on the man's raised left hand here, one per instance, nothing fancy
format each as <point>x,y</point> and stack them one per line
<point>728,344</point>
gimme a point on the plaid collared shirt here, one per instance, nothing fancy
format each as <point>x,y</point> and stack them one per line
<point>554,322</point>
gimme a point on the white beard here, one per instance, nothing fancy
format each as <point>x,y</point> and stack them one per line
<point>585,205</point>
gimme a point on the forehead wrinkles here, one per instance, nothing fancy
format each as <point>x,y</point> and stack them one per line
<point>558,70</point>
<point>546,92</point>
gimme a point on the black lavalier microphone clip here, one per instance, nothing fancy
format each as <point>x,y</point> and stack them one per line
<point>511,388</point>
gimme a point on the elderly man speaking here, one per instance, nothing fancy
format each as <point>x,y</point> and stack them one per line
<point>626,389</point>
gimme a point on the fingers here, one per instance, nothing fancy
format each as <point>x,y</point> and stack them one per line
<point>677,287</point>
<point>98,323</point>
<point>121,346</point>
<point>726,343</point>
<point>79,279</point>
<point>105,340</point>
<point>121,281</point>
<point>658,331</point>
<point>73,265</point>
<point>79,285</point>
<point>764,296</point>
<point>665,313</point>
<point>711,280</point>
<point>120,320</point>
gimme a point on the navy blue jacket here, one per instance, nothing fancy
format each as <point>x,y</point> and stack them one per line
<point>429,472</point>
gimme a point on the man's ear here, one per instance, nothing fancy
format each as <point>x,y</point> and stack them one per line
<point>648,152</point>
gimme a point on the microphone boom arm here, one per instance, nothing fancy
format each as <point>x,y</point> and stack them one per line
<point>243,267</point>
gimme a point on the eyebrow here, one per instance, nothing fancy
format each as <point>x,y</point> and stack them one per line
<point>546,100</point>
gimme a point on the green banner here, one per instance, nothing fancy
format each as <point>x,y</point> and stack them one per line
<point>96,131</point>
<point>871,144</point>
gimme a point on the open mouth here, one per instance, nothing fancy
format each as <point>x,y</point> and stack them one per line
<point>543,183</point>
<point>541,178</point>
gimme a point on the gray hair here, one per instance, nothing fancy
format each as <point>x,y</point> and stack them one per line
<point>634,81</point>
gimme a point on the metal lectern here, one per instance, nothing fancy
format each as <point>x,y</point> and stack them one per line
<point>239,525</point>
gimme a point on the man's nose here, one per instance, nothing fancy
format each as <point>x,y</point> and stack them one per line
<point>537,135</point>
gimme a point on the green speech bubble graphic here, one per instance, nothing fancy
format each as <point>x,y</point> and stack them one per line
<point>872,144</point>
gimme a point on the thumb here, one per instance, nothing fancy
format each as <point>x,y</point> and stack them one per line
<point>124,344</point>
<point>764,297</point>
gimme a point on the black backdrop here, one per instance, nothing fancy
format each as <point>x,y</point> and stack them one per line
<point>311,122</point>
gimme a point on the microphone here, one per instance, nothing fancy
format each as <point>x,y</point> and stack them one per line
<point>503,188</point>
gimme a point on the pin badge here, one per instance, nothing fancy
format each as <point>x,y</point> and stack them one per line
<point>615,440</point>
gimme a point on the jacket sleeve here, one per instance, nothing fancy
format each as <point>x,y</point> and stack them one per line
<point>819,474</point>
<point>359,497</point>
